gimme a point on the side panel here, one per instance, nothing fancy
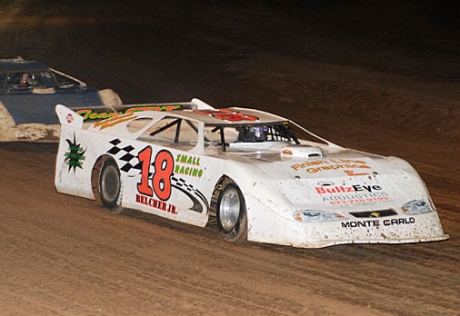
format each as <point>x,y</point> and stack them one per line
<point>163,181</point>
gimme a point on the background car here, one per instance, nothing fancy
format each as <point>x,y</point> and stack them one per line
<point>30,90</point>
<point>263,177</point>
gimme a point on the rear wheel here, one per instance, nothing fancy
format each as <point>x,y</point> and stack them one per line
<point>110,188</point>
<point>231,214</point>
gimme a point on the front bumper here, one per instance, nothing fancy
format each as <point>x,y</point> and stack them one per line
<point>269,227</point>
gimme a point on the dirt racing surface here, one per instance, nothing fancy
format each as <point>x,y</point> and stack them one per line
<point>381,78</point>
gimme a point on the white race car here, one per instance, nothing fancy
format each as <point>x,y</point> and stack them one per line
<point>263,177</point>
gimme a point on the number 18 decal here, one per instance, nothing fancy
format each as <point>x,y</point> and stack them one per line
<point>161,179</point>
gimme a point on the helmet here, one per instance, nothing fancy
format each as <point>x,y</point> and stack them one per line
<point>253,134</point>
<point>260,133</point>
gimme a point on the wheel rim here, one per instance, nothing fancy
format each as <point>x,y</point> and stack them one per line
<point>110,184</point>
<point>229,209</point>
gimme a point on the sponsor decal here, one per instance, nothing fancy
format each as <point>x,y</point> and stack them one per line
<point>351,199</point>
<point>75,155</point>
<point>89,114</point>
<point>189,160</point>
<point>228,115</point>
<point>347,189</point>
<point>114,120</point>
<point>188,171</point>
<point>186,165</point>
<point>378,223</point>
<point>347,165</point>
<point>156,204</point>
<point>354,194</point>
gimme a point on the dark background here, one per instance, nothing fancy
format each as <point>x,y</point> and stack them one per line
<point>173,50</point>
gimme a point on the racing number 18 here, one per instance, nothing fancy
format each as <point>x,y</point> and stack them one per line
<point>161,179</point>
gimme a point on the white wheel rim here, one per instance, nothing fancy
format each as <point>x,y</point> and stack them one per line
<point>229,211</point>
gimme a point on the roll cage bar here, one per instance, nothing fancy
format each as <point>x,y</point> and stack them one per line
<point>276,131</point>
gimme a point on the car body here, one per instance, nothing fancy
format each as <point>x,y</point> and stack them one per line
<point>29,92</point>
<point>263,177</point>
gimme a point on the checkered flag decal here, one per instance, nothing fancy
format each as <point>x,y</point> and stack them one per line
<point>125,155</point>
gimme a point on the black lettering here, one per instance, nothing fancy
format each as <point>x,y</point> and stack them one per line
<point>367,188</point>
<point>355,224</point>
<point>399,221</point>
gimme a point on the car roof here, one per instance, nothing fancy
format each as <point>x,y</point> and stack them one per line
<point>229,116</point>
<point>20,65</point>
<point>207,116</point>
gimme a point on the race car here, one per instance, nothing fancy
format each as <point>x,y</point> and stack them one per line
<point>259,176</point>
<point>29,92</point>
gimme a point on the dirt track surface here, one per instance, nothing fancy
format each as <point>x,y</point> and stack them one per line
<point>365,85</point>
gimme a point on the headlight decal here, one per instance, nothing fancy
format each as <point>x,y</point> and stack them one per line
<point>416,207</point>
<point>311,216</point>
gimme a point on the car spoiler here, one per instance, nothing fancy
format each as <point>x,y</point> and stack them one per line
<point>67,116</point>
<point>101,113</point>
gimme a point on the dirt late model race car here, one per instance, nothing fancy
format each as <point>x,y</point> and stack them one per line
<point>262,177</point>
<point>29,92</point>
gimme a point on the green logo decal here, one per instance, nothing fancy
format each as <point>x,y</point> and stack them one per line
<point>75,155</point>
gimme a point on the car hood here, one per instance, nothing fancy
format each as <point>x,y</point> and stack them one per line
<point>344,180</point>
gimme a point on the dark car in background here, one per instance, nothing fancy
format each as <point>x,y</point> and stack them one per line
<point>29,92</point>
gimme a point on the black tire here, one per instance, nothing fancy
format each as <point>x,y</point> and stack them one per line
<point>231,214</point>
<point>110,188</point>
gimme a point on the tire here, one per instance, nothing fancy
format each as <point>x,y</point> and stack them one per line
<point>231,214</point>
<point>110,188</point>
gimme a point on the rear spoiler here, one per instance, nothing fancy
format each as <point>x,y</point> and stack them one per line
<point>68,116</point>
<point>90,114</point>
<point>101,113</point>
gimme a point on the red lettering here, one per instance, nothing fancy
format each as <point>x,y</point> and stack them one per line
<point>228,115</point>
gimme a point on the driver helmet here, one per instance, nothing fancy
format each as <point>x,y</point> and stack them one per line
<point>23,80</point>
<point>253,134</point>
<point>260,133</point>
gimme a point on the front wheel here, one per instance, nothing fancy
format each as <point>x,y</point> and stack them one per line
<point>110,188</point>
<point>231,214</point>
